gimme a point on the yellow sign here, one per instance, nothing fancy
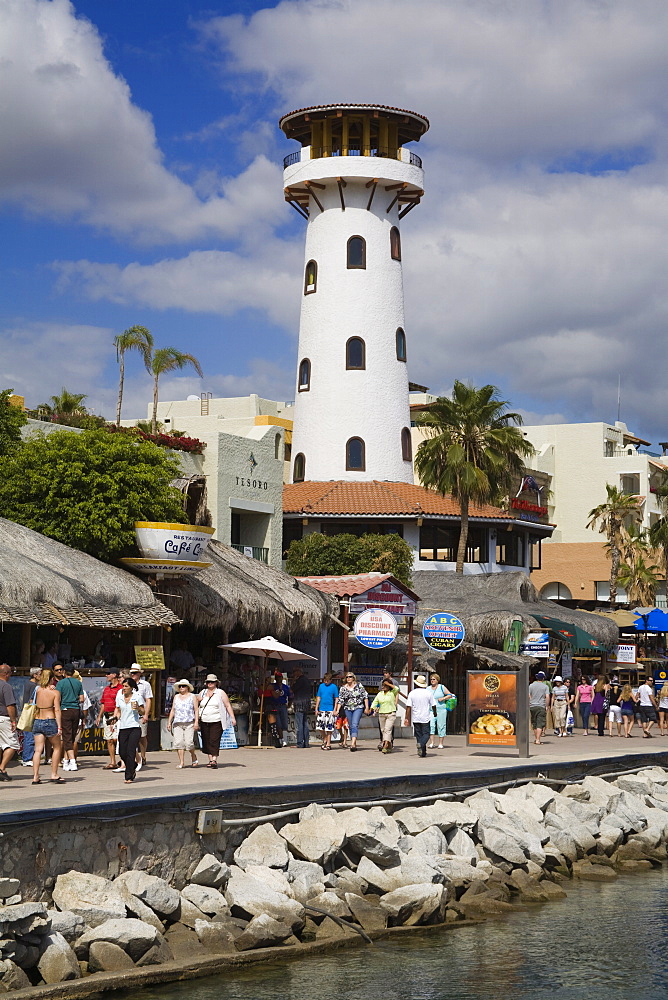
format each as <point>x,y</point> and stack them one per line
<point>150,657</point>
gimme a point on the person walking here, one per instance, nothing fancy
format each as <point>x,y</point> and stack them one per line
<point>28,743</point>
<point>281,697</point>
<point>107,712</point>
<point>647,703</point>
<point>584,695</point>
<point>420,705</point>
<point>385,706</point>
<point>146,691</point>
<point>215,715</point>
<point>627,707</point>
<point>598,704</point>
<point>9,739</point>
<point>539,702</point>
<point>71,706</point>
<point>438,723</point>
<point>47,727</point>
<point>326,707</point>
<point>663,709</point>
<point>354,700</point>
<point>560,700</point>
<point>129,711</point>
<point>183,721</point>
<point>614,710</point>
<point>301,694</point>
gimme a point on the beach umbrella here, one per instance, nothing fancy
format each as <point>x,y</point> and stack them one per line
<point>269,648</point>
<point>651,620</point>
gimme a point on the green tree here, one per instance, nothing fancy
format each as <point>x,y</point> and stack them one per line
<point>611,518</point>
<point>474,450</point>
<point>87,489</point>
<point>135,338</point>
<point>340,555</point>
<point>67,404</point>
<point>168,359</point>
<point>12,419</point>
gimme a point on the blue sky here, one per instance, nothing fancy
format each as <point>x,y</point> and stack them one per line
<point>140,182</point>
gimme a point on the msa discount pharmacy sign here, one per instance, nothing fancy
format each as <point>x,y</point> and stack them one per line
<point>375,628</point>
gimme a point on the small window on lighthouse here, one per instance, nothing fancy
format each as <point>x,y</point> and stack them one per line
<point>355,455</point>
<point>401,345</point>
<point>299,469</point>
<point>356,252</point>
<point>305,375</point>
<point>395,243</point>
<point>355,353</point>
<point>406,445</point>
<point>310,277</point>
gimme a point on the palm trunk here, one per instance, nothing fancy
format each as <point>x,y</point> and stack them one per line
<point>121,361</point>
<point>154,421</point>
<point>614,573</point>
<point>463,534</point>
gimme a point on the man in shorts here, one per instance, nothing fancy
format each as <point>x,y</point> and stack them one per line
<point>146,691</point>
<point>539,702</point>
<point>9,740</point>
<point>106,713</point>
<point>647,706</point>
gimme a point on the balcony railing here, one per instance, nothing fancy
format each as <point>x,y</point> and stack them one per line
<point>256,551</point>
<point>388,152</point>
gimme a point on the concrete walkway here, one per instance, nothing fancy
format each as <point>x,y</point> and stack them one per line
<point>274,777</point>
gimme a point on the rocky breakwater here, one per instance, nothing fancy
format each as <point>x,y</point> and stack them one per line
<point>332,877</point>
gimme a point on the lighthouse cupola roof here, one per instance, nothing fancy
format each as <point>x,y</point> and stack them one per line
<point>299,124</point>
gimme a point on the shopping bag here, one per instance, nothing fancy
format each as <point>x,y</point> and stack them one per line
<point>228,741</point>
<point>28,713</point>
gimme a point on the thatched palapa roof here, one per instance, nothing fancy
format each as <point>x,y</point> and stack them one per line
<point>43,582</point>
<point>488,603</point>
<point>238,590</point>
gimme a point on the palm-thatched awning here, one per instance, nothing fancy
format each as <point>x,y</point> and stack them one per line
<point>43,582</point>
<point>488,604</point>
<point>239,591</point>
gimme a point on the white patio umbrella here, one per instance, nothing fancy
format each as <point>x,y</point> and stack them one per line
<point>269,648</point>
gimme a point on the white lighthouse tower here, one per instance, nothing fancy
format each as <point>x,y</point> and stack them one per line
<point>353,180</point>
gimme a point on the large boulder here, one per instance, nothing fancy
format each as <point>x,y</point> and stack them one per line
<point>415,904</point>
<point>104,956</point>
<point>217,936</point>
<point>208,900</point>
<point>593,873</point>
<point>501,843</point>
<point>20,919</point>
<point>443,814</point>
<point>137,908</point>
<point>12,977</point>
<point>330,904</point>
<point>317,836</point>
<point>459,871</point>
<point>90,896</point>
<point>306,879</point>
<point>190,914</point>
<point>57,962</point>
<point>563,843</point>
<point>154,891</point>
<point>210,871</point>
<point>600,792</point>
<point>159,953</point>
<point>263,846</point>
<point>541,795</point>
<point>371,836</point>
<point>379,880</point>
<point>461,845</point>
<point>273,878</point>
<point>248,897</point>
<point>262,932</point>
<point>431,841</point>
<point>69,924</point>
<point>370,916</point>
<point>134,936</point>
<point>9,887</point>
<point>183,941</point>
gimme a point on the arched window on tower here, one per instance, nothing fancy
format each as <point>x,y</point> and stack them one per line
<point>401,345</point>
<point>395,243</point>
<point>356,252</point>
<point>355,455</point>
<point>299,469</point>
<point>355,354</point>
<point>310,277</point>
<point>406,445</point>
<point>304,375</point>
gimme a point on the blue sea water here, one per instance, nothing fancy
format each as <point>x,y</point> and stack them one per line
<point>603,942</point>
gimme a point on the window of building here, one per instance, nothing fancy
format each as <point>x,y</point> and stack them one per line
<point>356,252</point>
<point>355,455</point>
<point>609,448</point>
<point>299,469</point>
<point>439,543</point>
<point>395,243</point>
<point>292,532</point>
<point>359,528</point>
<point>535,552</point>
<point>355,353</point>
<point>511,548</point>
<point>630,484</point>
<point>556,592</point>
<point>406,445</point>
<point>235,528</point>
<point>603,592</point>
<point>277,446</point>
<point>401,345</point>
<point>310,277</point>
<point>304,375</point>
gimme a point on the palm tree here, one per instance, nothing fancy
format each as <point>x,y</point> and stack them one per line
<point>135,338</point>
<point>168,359</point>
<point>611,517</point>
<point>67,404</point>
<point>639,579</point>
<point>474,450</point>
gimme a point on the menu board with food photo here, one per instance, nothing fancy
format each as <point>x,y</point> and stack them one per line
<point>492,708</point>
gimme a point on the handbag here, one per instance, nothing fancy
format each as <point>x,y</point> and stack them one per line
<point>28,713</point>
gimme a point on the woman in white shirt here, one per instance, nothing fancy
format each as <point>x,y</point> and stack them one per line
<point>215,715</point>
<point>129,712</point>
<point>183,721</point>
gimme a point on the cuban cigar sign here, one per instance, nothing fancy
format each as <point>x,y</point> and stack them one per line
<point>384,595</point>
<point>375,628</point>
<point>443,632</point>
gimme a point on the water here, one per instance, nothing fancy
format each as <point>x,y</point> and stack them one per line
<point>603,942</point>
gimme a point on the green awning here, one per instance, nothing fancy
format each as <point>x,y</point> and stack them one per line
<point>576,636</point>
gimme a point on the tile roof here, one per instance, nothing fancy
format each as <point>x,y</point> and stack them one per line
<point>377,498</point>
<point>345,585</point>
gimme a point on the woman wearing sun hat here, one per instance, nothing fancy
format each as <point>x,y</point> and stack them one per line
<point>183,721</point>
<point>385,704</point>
<point>215,715</point>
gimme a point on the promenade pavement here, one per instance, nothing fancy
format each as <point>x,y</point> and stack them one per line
<point>265,769</point>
